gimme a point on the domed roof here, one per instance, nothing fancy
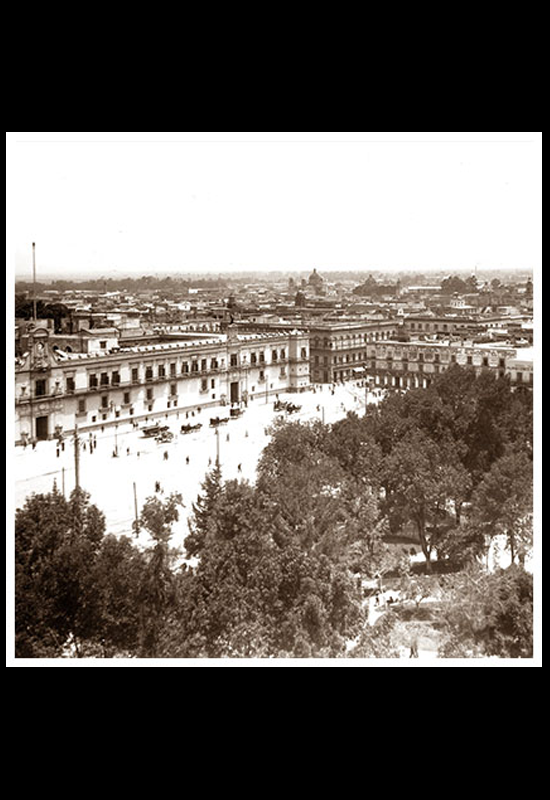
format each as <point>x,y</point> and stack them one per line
<point>315,277</point>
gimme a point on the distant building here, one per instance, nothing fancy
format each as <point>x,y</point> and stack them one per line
<point>316,282</point>
<point>415,364</point>
<point>339,349</point>
<point>315,279</point>
<point>445,325</point>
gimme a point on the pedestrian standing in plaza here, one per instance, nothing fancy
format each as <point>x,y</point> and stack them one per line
<point>166,455</point>
<point>57,452</point>
<point>187,459</point>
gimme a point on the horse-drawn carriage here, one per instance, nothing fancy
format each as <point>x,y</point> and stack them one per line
<point>215,421</point>
<point>283,405</point>
<point>154,430</point>
<point>191,428</point>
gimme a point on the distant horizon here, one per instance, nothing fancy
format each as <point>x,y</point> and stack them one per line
<point>122,274</point>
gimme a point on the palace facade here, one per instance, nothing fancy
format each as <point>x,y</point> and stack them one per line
<point>57,390</point>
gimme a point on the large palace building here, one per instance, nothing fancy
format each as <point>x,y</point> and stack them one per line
<point>56,390</point>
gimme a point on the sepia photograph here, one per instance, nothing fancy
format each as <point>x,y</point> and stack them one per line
<point>273,399</point>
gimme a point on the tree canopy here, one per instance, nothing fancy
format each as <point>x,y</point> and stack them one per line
<point>278,568</point>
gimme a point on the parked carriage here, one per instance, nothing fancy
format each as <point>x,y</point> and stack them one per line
<point>215,421</point>
<point>191,428</point>
<point>154,430</point>
<point>282,405</point>
<point>164,436</point>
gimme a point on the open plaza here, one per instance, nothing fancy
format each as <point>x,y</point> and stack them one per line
<point>123,468</point>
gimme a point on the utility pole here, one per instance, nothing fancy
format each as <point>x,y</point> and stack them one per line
<point>136,508</point>
<point>76,457</point>
<point>33,283</point>
<point>217,447</point>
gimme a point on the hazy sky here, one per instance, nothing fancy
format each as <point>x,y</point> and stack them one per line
<point>214,202</point>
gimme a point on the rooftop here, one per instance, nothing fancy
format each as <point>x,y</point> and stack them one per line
<point>181,344</point>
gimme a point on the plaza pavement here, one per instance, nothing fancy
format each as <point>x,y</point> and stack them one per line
<point>141,461</point>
